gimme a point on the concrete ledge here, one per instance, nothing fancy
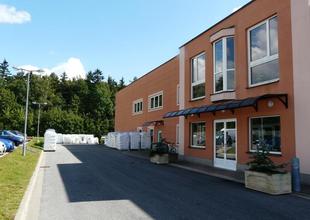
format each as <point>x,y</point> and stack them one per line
<point>197,160</point>
<point>305,178</point>
<point>23,207</point>
<point>206,173</point>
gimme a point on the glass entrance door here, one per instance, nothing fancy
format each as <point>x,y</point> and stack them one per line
<point>225,144</point>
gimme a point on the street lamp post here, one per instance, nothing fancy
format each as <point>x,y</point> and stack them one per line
<point>27,101</point>
<point>39,113</point>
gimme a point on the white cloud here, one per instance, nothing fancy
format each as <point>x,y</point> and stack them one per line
<point>73,68</point>
<point>9,15</point>
<point>236,9</point>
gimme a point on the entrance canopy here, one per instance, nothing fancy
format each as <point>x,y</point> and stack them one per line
<point>153,123</point>
<point>230,105</point>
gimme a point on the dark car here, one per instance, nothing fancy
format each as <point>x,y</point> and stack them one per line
<point>5,134</point>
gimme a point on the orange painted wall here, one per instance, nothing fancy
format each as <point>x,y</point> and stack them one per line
<point>244,19</point>
<point>164,78</point>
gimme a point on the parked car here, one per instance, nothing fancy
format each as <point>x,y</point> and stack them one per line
<point>2,148</point>
<point>9,145</point>
<point>18,133</point>
<point>5,134</point>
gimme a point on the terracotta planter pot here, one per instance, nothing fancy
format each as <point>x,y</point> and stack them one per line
<point>160,159</point>
<point>274,184</point>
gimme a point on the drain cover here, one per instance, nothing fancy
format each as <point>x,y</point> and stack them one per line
<point>45,167</point>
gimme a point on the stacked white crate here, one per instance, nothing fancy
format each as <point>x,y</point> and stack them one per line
<point>110,142</point>
<point>96,140</point>
<point>59,139</point>
<point>134,140</point>
<point>67,139</point>
<point>50,139</point>
<point>145,140</point>
<point>122,141</point>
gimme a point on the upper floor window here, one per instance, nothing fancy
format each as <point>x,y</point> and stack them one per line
<point>156,101</point>
<point>263,52</point>
<point>224,64</point>
<point>198,77</point>
<point>137,106</point>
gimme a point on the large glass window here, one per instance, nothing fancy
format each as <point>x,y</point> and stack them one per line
<point>266,133</point>
<point>156,101</point>
<point>263,54</point>
<point>198,134</point>
<point>224,64</point>
<point>198,76</point>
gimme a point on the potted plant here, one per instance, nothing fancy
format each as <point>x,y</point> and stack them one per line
<point>173,153</point>
<point>159,153</point>
<point>265,176</point>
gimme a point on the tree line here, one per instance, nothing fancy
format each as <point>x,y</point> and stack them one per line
<point>84,106</point>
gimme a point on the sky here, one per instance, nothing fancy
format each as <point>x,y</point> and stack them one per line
<point>123,38</point>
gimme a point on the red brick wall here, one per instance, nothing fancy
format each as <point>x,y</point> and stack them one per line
<point>164,78</point>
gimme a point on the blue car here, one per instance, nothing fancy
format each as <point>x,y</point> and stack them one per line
<point>18,133</point>
<point>5,134</point>
<point>9,145</point>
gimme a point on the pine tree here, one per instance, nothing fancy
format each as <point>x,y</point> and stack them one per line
<point>4,69</point>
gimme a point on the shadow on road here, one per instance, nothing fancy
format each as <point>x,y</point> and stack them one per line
<point>165,192</point>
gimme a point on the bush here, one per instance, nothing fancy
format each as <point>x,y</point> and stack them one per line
<point>262,163</point>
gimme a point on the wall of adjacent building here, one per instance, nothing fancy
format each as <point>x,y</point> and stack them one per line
<point>301,65</point>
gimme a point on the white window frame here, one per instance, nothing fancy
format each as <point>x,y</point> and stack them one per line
<point>267,58</point>
<point>224,67</point>
<point>200,81</point>
<point>191,135</point>
<point>133,107</point>
<point>157,94</point>
<point>178,94</point>
<point>250,133</point>
<point>159,133</point>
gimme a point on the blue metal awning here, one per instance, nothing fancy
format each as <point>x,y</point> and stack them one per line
<point>230,105</point>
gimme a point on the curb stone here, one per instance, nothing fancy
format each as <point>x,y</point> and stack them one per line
<point>23,207</point>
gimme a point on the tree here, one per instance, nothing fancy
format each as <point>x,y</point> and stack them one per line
<point>95,77</point>
<point>4,69</point>
<point>121,84</point>
<point>73,106</point>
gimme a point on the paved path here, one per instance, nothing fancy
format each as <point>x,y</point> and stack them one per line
<point>93,182</point>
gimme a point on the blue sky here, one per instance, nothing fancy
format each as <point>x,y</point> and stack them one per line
<point>122,38</point>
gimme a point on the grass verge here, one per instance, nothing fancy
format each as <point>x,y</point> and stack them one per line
<point>15,174</point>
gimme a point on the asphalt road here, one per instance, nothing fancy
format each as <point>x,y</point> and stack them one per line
<point>94,182</point>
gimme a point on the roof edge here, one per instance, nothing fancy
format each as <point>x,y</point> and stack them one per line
<point>149,72</point>
<point>228,16</point>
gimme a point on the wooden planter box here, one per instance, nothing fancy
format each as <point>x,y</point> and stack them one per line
<point>274,184</point>
<point>160,159</point>
<point>173,157</point>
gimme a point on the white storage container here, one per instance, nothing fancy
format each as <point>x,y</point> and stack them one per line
<point>122,141</point>
<point>134,140</point>
<point>59,139</point>
<point>145,140</point>
<point>50,139</point>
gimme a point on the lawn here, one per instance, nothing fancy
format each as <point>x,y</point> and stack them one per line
<point>15,174</point>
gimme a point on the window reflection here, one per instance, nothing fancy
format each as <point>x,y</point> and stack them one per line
<point>265,72</point>
<point>258,42</point>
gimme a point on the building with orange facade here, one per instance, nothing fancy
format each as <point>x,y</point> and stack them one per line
<point>238,86</point>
